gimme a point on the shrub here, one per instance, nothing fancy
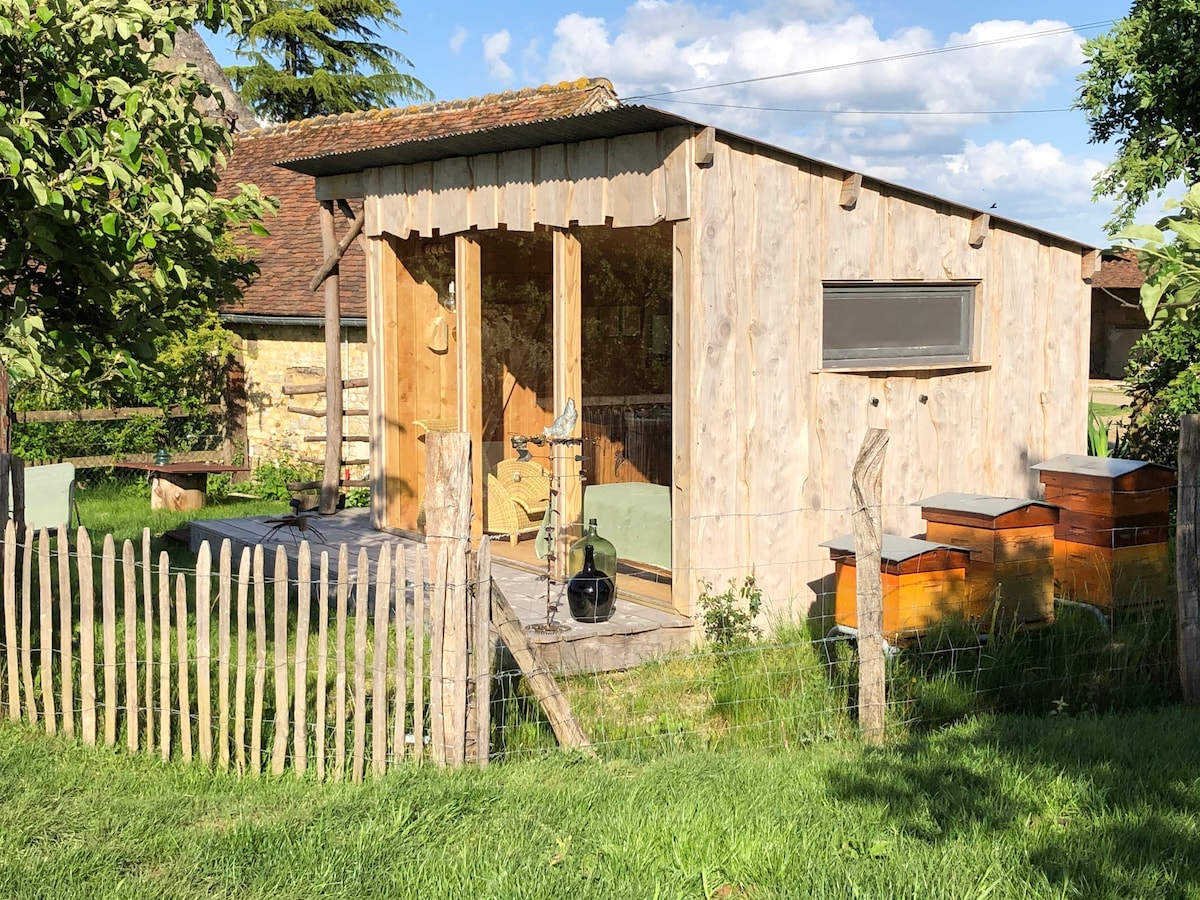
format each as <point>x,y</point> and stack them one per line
<point>729,615</point>
<point>1164,379</point>
<point>270,479</point>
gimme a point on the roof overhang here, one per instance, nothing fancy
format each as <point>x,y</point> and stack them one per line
<point>606,123</point>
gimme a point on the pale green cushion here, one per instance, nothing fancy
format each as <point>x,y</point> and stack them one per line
<point>49,493</point>
<point>636,517</point>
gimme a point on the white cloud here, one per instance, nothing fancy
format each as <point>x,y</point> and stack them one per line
<point>668,45</point>
<point>458,39</point>
<point>494,48</point>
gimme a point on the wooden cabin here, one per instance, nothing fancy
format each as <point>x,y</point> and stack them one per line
<point>729,318</point>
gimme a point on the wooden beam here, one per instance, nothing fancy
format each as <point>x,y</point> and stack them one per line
<point>851,187</point>
<point>332,258</point>
<point>320,413</point>
<point>1089,265</point>
<point>467,261</point>
<point>110,415</point>
<point>345,438</point>
<point>979,230</point>
<point>706,147</point>
<point>291,390</point>
<point>333,368</point>
<point>568,384</point>
<point>682,584</point>
<point>558,710</point>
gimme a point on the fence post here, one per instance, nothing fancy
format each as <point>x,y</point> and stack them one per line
<point>1187,558</point>
<point>448,531</point>
<point>868,543</point>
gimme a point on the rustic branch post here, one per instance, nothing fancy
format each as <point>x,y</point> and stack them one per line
<point>866,494</point>
<point>447,536</point>
<point>1187,558</point>
<point>331,479</point>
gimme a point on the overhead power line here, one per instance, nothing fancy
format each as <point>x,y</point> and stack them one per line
<point>878,59</point>
<point>874,112</point>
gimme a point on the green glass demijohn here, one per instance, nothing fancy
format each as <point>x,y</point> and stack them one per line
<point>603,552</point>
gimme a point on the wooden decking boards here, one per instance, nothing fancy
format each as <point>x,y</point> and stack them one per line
<point>634,634</point>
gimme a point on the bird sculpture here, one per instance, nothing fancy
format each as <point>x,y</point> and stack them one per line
<point>564,425</point>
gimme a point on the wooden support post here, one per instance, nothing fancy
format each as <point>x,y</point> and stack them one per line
<point>1187,558</point>
<point>866,501</point>
<point>568,384</point>
<point>447,529</point>
<point>470,363</point>
<point>562,720</point>
<point>333,370</point>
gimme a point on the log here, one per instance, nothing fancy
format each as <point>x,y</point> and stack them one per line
<point>866,500</point>
<point>1187,559</point>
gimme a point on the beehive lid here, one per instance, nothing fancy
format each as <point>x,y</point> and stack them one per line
<point>1121,474</point>
<point>983,511</point>
<point>902,554</point>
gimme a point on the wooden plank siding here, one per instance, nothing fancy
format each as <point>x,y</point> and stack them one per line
<point>633,180</point>
<point>764,438</point>
<point>773,437</point>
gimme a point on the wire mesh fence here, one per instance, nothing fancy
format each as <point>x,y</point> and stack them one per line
<point>794,684</point>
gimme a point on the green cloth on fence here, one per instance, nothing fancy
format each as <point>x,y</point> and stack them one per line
<point>635,516</point>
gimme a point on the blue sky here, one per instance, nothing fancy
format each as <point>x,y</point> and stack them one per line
<point>1035,166</point>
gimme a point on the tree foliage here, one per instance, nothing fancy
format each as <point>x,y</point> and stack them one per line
<point>1164,383</point>
<point>111,226</point>
<point>1141,89</point>
<point>1169,255</point>
<point>306,58</point>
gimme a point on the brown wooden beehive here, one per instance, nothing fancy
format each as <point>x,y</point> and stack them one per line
<point>923,583</point>
<point>1110,544</point>
<point>1010,578</point>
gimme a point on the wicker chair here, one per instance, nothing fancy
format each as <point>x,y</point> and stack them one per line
<point>516,498</point>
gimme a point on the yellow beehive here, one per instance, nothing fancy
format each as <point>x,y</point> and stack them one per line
<point>923,583</point>
<point>1010,578</point>
<point>1110,546</point>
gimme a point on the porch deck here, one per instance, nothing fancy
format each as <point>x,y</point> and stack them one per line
<point>635,633</point>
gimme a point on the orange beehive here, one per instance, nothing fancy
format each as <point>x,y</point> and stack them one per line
<point>923,583</point>
<point>1011,574</point>
<point>1110,545</point>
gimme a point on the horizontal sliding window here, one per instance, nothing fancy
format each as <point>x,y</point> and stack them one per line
<point>868,325</point>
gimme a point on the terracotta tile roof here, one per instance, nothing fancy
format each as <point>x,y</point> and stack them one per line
<point>292,254</point>
<point>1118,270</point>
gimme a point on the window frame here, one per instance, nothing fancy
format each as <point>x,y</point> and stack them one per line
<point>963,353</point>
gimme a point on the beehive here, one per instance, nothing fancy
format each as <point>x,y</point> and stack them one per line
<point>1010,578</point>
<point>923,583</point>
<point>1110,544</point>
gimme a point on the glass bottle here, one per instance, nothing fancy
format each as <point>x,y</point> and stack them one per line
<point>590,593</point>
<point>605,553</point>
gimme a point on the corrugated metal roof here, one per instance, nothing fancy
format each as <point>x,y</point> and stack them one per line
<point>606,123</point>
<point>896,549</point>
<point>977,504</point>
<point>1100,467</point>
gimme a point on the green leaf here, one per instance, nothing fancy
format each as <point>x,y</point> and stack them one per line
<point>108,223</point>
<point>1141,233</point>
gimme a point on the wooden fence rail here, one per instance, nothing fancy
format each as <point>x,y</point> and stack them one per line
<point>155,676</point>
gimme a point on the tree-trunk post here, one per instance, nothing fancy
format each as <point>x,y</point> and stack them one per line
<point>331,480</point>
<point>867,492</point>
<point>1187,558</point>
<point>236,444</point>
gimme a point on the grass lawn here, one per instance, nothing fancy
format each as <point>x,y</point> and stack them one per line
<point>124,511</point>
<point>995,807</point>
